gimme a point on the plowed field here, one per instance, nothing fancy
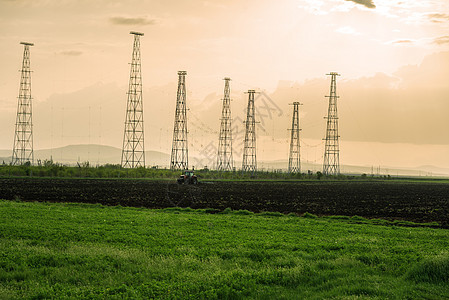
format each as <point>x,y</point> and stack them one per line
<point>418,202</point>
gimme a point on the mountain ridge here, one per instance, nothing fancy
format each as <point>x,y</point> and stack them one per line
<point>94,153</point>
<point>105,154</point>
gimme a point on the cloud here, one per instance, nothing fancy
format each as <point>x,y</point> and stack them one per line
<point>132,21</point>
<point>71,53</point>
<point>315,7</point>
<point>399,42</point>
<point>379,108</point>
<point>347,30</point>
<point>438,17</point>
<point>441,40</point>
<point>366,3</point>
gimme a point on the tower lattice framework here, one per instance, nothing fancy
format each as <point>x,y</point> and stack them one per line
<point>133,151</point>
<point>249,149</point>
<point>294,159</point>
<point>180,152</point>
<point>331,165</point>
<point>224,158</point>
<point>23,136</point>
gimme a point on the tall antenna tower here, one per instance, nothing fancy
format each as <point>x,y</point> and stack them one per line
<point>23,137</point>
<point>294,159</point>
<point>179,151</point>
<point>331,165</point>
<point>133,153</point>
<point>224,159</point>
<point>249,149</point>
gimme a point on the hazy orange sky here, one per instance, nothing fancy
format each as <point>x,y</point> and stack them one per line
<point>393,57</point>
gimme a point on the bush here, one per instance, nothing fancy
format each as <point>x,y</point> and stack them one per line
<point>309,216</point>
<point>358,218</point>
<point>271,214</point>
<point>211,210</point>
<point>243,212</point>
<point>188,209</point>
<point>227,210</point>
<point>172,209</point>
<point>339,217</point>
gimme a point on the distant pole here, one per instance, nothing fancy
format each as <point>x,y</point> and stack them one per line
<point>133,151</point>
<point>294,159</point>
<point>179,152</point>
<point>224,158</point>
<point>249,150</point>
<point>23,137</point>
<point>331,165</point>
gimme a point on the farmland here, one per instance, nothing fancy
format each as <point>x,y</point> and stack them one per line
<point>425,201</point>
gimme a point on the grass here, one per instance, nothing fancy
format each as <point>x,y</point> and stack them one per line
<point>91,251</point>
<point>51,169</point>
<point>434,269</point>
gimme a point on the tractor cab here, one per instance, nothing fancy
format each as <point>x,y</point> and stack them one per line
<point>188,177</point>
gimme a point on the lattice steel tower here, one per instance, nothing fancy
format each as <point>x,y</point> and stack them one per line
<point>179,151</point>
<point>23,137</point>
<point>249,149</point>
<point>133,152</point>
<point>331,165</point>
<point>294,158</point>
<point>224,159</point>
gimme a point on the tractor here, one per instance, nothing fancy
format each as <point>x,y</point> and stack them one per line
<point>188,178</point>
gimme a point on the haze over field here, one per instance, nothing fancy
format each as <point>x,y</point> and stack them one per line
<point>393,57</point>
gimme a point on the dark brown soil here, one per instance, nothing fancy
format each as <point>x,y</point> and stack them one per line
<point>417,202</point>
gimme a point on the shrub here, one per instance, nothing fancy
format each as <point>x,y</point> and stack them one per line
<point>243,212</point>
<point>309,216</point>
<point>227,210</point>
<point>172,209</point>
<point>271,214</point>
<point>358,218</point>
<point>339,217</point>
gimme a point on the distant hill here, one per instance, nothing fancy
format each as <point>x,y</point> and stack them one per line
<point>95,154</point>
<point>368,170</point>
<point>434,170</point>
<point>101,154</point>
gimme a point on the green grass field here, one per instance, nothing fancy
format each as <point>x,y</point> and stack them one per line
<point>92,251</point>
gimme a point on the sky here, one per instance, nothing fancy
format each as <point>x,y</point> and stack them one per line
<point>393,57</point>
